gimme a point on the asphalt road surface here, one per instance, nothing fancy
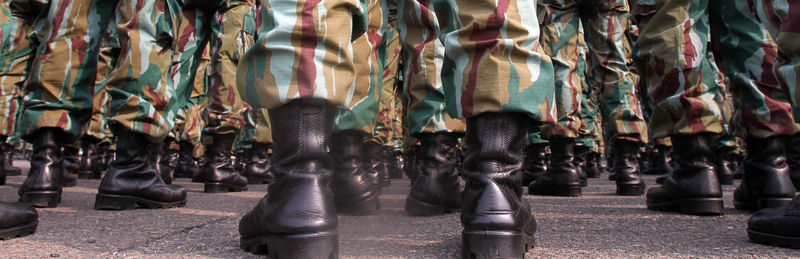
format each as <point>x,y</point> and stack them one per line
<point>597,225</point>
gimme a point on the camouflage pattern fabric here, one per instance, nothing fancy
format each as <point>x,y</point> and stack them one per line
<point>15,55</point>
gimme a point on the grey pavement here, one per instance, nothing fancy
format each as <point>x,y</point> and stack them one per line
<point>597,225</point>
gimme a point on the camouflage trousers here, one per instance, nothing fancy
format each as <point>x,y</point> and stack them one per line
<point>15,57</point>
<point>673,54</point>
<point>604,23</point>
<point>787,34</point>
<point>60,85</point>
<point>109,50</point>
<point>492,60</point>
<point>388,127</point>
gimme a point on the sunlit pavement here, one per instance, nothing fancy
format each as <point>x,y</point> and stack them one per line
<point>599,224</point>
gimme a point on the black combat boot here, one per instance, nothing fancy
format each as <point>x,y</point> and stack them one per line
<point>257,171</point>
<point>187,166</point>
<point>297,217</point>
<point>219,174</point>
<point>89,147</point>
<point>410,162</point>
<point>17,220</point>
<point>395,163</point>
<point>99,161</point>
<point>592,166</point>
<point>8,165</point>
<point>436,189</point>
<point>71,166</point>
<point>373,164</point>
<point>42,187</point>
<point>766,182</point>
<point>535,163</point>
<point>353,189</point>
<point>497,221</point>
<point>132,179</point>
<point>660,161</point>
<point>776,226</point>
<point>561,178</point>
<point>725,166</point>
<point>793,160</point>
<point>241,159</point>
<point>626,170</point>
<point>581,159</point>
<point>693,187</point>
<point>166,160</point>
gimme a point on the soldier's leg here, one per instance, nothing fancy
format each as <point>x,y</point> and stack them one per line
<point>357,186</point>
<point>96,141</point>
<point>435,184</point>
<point>779,226</point>
<point>300,72</point>
<point>257,133</point>
<point>746,51</point>
<point>58,92</point>
<point>15,52</point>
<point>561,29</point>
<point>190,135</point>
<point>499,80</point>
<point>140,93</point>
<point>234,32</point>
<point>606,23</point>
<point>686,107</point>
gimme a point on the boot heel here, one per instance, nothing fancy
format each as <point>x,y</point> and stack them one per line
<point>708,206</point>
<point>773,202</point>
<point>630,190</point>
<point>415,207</point>
<point>41,199</point>
<point>113,202</point>
<point>494,244</point>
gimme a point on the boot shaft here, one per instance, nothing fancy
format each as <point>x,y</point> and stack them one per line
<point>301,139</point>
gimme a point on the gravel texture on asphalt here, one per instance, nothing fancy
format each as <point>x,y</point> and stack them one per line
<point>597,225</point>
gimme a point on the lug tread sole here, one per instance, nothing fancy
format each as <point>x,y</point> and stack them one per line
<point>313,245</point>
<point>41,199</point>
<point>762,203</point>
<point>18,231</point>
<point>477,244</point>
<point>127,202</point>
<point>773,239</point>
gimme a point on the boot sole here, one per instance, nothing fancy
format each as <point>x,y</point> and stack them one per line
<point>126,202</point>
<point>85,174</point>
<point>222,188</point>
<point>13,173</point>
<point>315,245</point>
<point>42,199</point>
<point>18,231</point>
<point>563,191</point>
<point>478,244</point>
<point>258,180</point>
<point>772,239</point>
<point>416,207</point>
<point>697,206</point>
<point>365,207</point>
<point>761,204</point>
<point>630,190</point>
